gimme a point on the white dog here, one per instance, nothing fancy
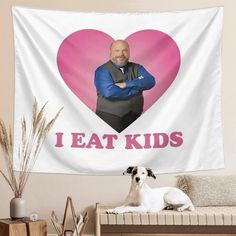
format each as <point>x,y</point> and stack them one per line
<point>142,198</point>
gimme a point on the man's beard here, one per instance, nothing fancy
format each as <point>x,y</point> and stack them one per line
<point>122,62</point>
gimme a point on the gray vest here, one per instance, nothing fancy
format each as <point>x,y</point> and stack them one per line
<point>120,107</point>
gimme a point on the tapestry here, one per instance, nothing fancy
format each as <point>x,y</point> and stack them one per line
<point>136,88</point>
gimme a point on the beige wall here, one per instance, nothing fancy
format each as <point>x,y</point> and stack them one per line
<point>45,192</point>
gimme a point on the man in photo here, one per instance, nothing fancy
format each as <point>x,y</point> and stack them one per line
<point>120,85</point>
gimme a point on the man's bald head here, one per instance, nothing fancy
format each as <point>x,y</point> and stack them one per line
<point>119,52</point>
<point>119,42</point>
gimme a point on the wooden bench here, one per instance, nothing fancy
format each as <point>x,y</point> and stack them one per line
<point>204,220</point>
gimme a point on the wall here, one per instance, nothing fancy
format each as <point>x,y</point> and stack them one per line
<point>45,192</point>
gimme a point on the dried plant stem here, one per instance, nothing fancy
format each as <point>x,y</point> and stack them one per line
<point>32,139</point>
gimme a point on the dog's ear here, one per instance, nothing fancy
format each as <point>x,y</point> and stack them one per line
<point>150,173</point>
<point>129,170</point>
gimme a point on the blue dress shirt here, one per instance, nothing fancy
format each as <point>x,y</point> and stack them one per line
<point>107,88</point>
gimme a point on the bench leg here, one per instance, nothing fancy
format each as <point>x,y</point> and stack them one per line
<point>97,221</point>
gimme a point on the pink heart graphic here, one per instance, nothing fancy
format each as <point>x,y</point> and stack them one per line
<point>83,51</point>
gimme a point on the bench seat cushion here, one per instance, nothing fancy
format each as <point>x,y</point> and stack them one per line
<point>225,216</point>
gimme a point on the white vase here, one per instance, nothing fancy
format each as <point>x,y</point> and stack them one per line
<point>17,208</point>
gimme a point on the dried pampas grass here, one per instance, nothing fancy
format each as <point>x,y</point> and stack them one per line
<point>32,138</point>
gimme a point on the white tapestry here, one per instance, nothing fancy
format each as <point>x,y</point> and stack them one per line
<point>137,88</point>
